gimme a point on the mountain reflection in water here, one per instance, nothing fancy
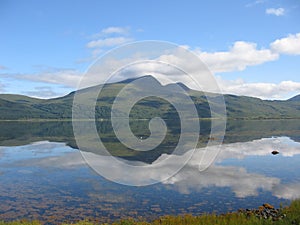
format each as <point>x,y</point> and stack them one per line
<point>43,175</point>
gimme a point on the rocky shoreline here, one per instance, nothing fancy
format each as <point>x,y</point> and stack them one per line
<point>266,211</point>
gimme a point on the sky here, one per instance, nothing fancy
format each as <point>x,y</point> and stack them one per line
<point>251,46</point>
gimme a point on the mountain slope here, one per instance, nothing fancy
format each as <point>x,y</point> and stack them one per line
<point>249,107</point>
<point>295,99</point>
<point>15,107</point>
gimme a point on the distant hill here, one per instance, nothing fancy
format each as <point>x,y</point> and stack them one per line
<point>295,99</point>
<point>19,107</point>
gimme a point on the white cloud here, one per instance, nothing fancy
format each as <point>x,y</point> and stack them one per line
<point>188,180</point>
<point>287,191</point>
<point>68,78</point>
<point>108,42</point>
<point>115,30</point>
<point>288,45</point>
<point>237,58</point>
<point>66,160</point>
<point>110,31</point>
<point>71,78</point>
<point>240,55</point>
<point>107,38</point>
<point>251,4</point>
<point>242,182</point>
<point>262,147</point>
<point>282,90</point>
<point>57,155</point>
<point>276,12</point>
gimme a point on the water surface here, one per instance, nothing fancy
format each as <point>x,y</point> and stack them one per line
<point>43,175</point>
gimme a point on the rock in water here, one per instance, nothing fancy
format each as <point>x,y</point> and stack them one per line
<point>275,152</point>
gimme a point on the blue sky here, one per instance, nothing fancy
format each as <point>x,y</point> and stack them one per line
<point>252,46</point>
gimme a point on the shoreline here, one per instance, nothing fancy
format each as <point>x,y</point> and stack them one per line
<point>103,119</point>
<point>264,215</point>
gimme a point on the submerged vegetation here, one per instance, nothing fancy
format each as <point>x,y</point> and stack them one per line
<point>285,215</point>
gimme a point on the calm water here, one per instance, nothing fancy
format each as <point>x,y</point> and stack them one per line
<point>43,175</point>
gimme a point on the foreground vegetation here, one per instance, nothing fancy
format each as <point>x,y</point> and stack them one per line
<point>288,215</point>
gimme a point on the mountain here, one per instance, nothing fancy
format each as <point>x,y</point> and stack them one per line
<point>295,99</point>
<point>19,107</point>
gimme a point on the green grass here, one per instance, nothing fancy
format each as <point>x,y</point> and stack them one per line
<point>292,213</point>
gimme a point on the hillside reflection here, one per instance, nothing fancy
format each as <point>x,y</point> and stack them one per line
<point>23,133</point>
<point>41,168</point>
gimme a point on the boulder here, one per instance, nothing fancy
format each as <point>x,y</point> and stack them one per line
<point>275,152</point>
<point>268,206</point>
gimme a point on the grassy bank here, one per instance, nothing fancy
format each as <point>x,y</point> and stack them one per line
<point>286,215</point>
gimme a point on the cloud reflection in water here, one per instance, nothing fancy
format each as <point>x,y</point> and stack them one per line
<point>190,179</point>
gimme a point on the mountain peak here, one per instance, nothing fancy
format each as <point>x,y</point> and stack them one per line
<point>129,80</point>
<point>183,86</point>
<point>150,79</point>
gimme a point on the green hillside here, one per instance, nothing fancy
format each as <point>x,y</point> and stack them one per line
<point>18,107</point>
<point>240,107</point>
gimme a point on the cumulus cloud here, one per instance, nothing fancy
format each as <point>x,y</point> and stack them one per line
<point>243,54</point>
<point>289,45</point>
<point>242,183</point>
<point>3,67</point>
<point>276,12</point>
<point>287,191</point>
<point>240,55</point>
<point>282,90</point>
<point>164,73</point>
<point>262,147</point>
<point>237,58</point>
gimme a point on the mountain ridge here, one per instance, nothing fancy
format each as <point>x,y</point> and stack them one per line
<point>20,107</point>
